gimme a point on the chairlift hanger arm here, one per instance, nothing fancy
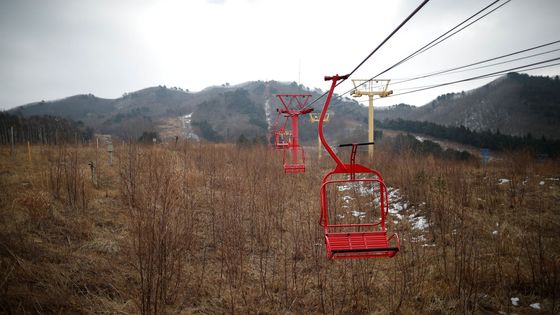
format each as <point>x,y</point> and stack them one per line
<point>334,80</point>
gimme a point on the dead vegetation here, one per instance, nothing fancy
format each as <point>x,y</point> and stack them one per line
<point>199,228</point>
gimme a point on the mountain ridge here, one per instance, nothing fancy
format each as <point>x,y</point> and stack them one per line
<point>514,104</point>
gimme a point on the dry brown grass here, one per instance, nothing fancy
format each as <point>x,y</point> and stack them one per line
<point>220,229</point>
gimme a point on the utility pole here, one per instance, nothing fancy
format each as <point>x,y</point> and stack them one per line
<point>371,88</point>
<point>12,141</point>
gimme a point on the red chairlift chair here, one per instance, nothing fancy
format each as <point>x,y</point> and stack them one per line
<point>281,137</point>
<point>354,240</point>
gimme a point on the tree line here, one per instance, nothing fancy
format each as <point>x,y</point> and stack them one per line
<point>42,130</point>
<point>482,139</point>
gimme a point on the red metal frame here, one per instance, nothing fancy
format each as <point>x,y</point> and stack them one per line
<point>296,165</point>
<point>354,244</point>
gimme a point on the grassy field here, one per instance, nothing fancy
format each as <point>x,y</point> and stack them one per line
<point>211,229</point>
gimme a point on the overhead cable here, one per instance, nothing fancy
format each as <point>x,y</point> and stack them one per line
<point>378,46</point>
<point>454,70</point>
<point>484,76</point>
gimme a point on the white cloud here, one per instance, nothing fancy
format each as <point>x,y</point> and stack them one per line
<point>53,49</point>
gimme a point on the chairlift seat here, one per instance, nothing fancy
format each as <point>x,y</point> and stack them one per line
<point>294,168</point>
<point>359,245</point>
<point>291,165</point>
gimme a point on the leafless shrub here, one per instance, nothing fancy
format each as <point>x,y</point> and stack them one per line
<point>67,178</point>
<point>159,226</point>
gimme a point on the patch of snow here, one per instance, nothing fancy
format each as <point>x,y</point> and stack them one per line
<point>187,128</point>
<point>268,114</point>
<point>358,214</point>
<point>420,223</point>
<point>502,181</point>
<point>347,199</point>
<point>536,306</point>
<point>419,138</point>
<point>393,194</point>
<point>364,191</point>
<point>494,232</point>
<point>515,301</point>
<point>541,182</point>
<point>552,178</point>
<point>429,245</point>
<point>344,187</point>
<point>419,238</point>
<point>396,207</point>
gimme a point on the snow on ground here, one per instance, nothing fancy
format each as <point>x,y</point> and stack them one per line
<point>515,301</point>
<point>399,208</point>
<point>358,214</point>
<point>536,306</point>
<point>419,223</point>
<point>268,114</point>
<point>187,128</point>
<point>502,181</point>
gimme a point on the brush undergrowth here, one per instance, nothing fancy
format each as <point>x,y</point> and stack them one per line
<point>201,228</point>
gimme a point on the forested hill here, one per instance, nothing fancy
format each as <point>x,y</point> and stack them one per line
<point>516,104</point>
<point>220,113</point>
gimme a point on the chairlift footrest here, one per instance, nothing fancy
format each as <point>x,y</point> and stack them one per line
<point>357,144</point>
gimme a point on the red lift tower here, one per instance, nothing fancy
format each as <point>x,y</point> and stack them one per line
<point>294,105</point>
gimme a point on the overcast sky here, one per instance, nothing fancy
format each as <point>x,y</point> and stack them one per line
<point>53,49</point>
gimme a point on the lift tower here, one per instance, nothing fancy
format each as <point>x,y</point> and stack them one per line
<point>293,111</point>
<point>371,88</point>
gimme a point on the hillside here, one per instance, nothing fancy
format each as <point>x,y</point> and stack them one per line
<point>219,229</point>
<point>516,104</point>
<point>218,113</point>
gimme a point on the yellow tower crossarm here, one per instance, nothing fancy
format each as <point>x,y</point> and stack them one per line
<point>368,87</point>
<point>371,88</point>
<point>314,117</point>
